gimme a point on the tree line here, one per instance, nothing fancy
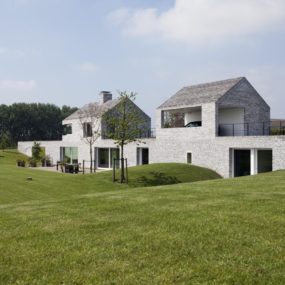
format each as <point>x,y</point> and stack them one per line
<point>34,121</point>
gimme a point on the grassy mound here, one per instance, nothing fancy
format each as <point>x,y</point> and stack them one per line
<point>68,229</point>
<point>167,173</point>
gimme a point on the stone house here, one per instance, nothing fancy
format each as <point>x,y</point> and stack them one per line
<point>224,125</point>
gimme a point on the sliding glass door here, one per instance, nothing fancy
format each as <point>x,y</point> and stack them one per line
<point>106,157</point>
<point>69,154</point>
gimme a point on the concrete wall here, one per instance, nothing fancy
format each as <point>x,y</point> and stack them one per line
<point>52,148</point>
<point>214,153</point>
<point>211,153</point>
<point>77,131</point>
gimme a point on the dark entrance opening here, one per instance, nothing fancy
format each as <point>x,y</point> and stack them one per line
<point>189,157</point>
<point>145,156</point>
<point>242,162</point>
<point>264,161</point>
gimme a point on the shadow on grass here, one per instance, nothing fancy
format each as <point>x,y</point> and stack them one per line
<point>155,179</point>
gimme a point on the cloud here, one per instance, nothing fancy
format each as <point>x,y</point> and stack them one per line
<point>202,21</point>
<point>17,85</point>
<point>88,67</point>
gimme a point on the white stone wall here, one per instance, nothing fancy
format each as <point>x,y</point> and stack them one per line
<point>52,148</point>
<point>77,130</point>
<point>207,130</point>
<point>172,145</point>
<point>213,153</point>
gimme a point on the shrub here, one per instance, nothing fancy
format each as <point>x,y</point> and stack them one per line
<point>46,161</point>
<point>21,163</point>
<point>32,162</point>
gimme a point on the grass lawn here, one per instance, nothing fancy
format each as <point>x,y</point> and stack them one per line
<point>75,229</point>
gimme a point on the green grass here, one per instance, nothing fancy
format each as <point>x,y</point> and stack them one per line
<point>167,173</point>
<point>68,229</point>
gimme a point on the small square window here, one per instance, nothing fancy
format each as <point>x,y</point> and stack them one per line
<point>67,129</point>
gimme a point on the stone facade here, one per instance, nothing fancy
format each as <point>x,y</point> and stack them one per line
<point>256,110</point>
<point>206,147</point>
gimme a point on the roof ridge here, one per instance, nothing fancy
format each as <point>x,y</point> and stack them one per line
<point>201,93</point>
<point>102,107</point>
<point>215,82</point>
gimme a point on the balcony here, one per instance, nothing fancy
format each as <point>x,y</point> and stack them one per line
<point>180,118</point>
<point>273,128</point>
<point>148,134</point>
<point>141,134</point>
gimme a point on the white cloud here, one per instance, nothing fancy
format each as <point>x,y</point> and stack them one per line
<point>202,21</point>
<point>17,85</point>
<point>88,67</point>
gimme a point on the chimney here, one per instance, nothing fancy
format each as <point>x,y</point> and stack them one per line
<point>105,96</point>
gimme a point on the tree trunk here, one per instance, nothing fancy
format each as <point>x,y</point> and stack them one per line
<point>122,164</point>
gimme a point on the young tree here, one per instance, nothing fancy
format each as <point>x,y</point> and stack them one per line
<point>90,120</point>
<point>124,124</point>
<point>4,140</point>
<point>36,151</point>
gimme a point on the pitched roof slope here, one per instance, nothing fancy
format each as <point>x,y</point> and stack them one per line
<point>100,108</point>
<point>201,93</point>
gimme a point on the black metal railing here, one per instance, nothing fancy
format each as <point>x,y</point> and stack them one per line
<point>252,129</point>
<point>147,134</point>
<point>141,134</point>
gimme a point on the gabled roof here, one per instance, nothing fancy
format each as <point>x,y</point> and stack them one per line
<point>201,93</point>
<point>96,106</point>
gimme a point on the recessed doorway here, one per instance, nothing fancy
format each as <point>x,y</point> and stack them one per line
<point>241,162</point>
<point>142,156</point>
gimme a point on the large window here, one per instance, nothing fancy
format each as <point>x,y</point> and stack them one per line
<point>106,157</point>
<point>178,118</point>
<point>69,154</point>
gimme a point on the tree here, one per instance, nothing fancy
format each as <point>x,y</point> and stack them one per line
<point>28,122</point>
<point>90,120</point>
<point>66,111</point>
<point>124,124</point>
<point>36,151</point>
<point>4,140</point>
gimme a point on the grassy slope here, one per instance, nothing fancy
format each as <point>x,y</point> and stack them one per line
<point>71,230</point>
<point>47,185</point>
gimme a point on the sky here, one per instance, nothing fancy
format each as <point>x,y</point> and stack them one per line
<point>66,51</point>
